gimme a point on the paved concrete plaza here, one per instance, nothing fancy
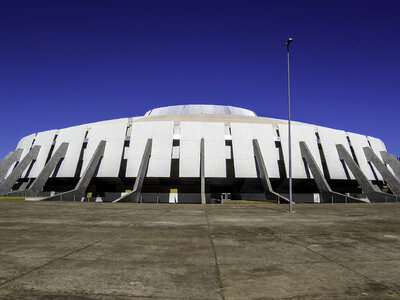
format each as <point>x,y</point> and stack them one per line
<point>65,250</point>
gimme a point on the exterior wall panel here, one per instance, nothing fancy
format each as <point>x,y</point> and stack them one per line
<point>214,149</point>
<point>329,139</point>
<point>74,137</point>
<point>299,133</point>
<point>113,132</point>
<point>161,133</point>
<point>243,152</point>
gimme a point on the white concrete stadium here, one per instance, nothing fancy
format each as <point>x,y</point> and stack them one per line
<point>199,154</point>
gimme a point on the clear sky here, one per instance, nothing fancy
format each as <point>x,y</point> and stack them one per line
<point>65,63</point>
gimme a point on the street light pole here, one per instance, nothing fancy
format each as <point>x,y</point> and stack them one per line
<point>289,130</point>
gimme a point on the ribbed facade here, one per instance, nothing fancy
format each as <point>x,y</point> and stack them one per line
<point>172,149</point>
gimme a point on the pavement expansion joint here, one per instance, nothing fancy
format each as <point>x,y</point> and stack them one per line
<point>219,276</point>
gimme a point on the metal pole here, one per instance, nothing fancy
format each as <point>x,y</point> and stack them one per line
<point>202,175</point>
<point>289,129</point>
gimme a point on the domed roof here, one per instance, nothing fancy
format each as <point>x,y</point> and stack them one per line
<point>200,109</point>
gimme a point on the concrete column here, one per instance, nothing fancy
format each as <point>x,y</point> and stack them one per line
<point>392,161</point>
<point>387,176</point>
<point>202,175</point>
<point>137,188</point>
<point>78,192</point>
<point>6,186</point>
<point>8,161</point>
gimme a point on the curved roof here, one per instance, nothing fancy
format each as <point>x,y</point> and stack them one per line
<point>200,109</point>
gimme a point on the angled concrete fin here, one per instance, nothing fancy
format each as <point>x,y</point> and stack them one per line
<point>362,180</point>
<point>202,173</point>
<point>323,186</point>
<point>137,188</point>
<point>21,188</point>
<point>387,176</point>
<point>319,178</point>
<point>367,187</point>
<point>78,192</point>
<point>261,166</point>
<point>392,161</point>
<point>9,182</point>
<point>40,181</point>
<point>8,161</point>
<point>91,168</point>
<point>264,173</point>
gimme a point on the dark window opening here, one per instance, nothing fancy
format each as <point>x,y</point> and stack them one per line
<point>230,169</point>
<point>354,155</point>
<point>98,167</point>
<point>122,169</point>
<point>373,171</point>
<point>323,161</point>
<point>57,168</point>
<point>30,168</point>
<point>318,138</point>
<point>281,161</point>
<point>306,168</point>
<point>50,154</point>
<point>80,161</point>
<point>346,171</point>
<point>174,168</point>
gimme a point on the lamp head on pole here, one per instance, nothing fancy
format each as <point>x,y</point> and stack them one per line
<point>288,42</point>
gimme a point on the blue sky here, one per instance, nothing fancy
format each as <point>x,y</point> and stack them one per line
<point>65,63</point>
